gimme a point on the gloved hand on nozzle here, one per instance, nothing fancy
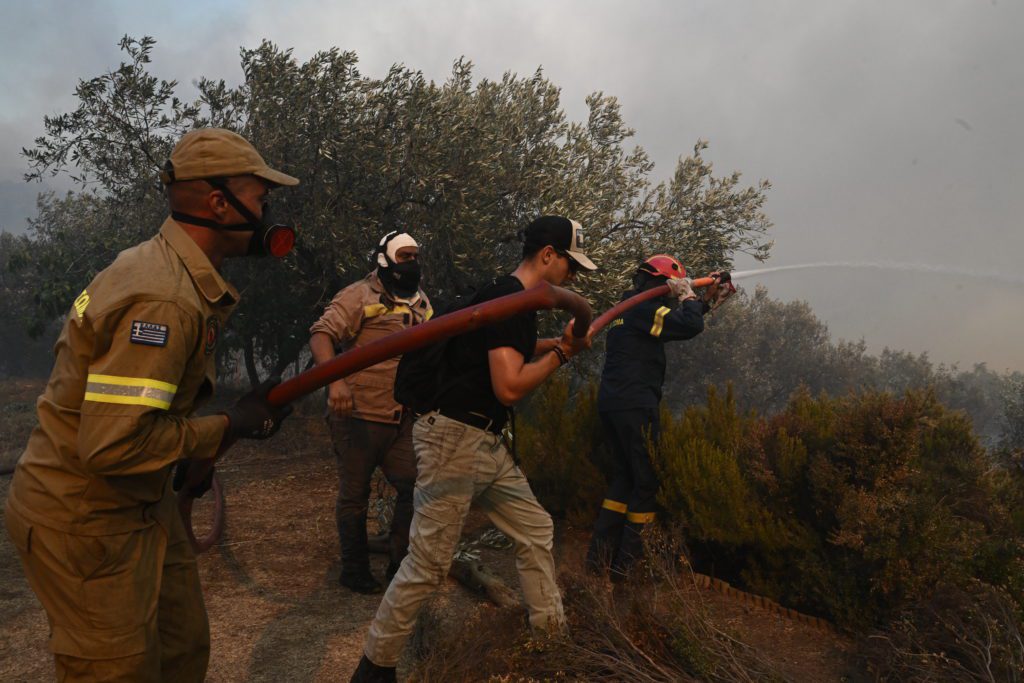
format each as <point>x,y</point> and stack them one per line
<point>252,417</point>
<point>681,288</point>
<point>720,290</point>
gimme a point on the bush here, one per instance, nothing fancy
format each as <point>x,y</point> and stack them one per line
<point>853,508</point>
<point>556,435</point>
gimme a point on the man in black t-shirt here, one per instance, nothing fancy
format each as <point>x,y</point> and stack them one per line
<point>462,457</point>
<point>628,404</point>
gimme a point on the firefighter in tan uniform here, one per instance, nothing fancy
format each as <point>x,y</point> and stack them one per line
<point>368,427</point>
<point>91,510</point>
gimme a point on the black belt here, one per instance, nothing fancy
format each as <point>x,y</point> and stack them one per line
<point>473,420</point>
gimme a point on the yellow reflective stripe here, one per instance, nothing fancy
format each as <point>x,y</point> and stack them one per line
<point>428,315</point>
<point>616,323</point>
<point>659,321</point>
<point>129,391</point>
<point>373,310</point>
<point>133,382</point>
<point>640,517</point>
<point>614,505</point>
<point>127,400</point>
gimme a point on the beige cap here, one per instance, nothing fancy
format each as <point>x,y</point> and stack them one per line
<point>218,153</point>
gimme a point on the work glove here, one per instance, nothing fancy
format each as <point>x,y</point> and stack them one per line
<point>252,417</point>
<point>181,470</point>
<point>681,288</point>
<point>722,288</point>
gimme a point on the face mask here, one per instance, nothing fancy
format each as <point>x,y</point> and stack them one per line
<point>402,279</point>
<point>268,237</point>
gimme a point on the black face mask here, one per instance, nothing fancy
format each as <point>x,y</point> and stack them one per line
<point>268,237</point>
<point>401,279</point>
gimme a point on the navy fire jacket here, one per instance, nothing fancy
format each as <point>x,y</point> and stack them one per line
<point>634,367</point>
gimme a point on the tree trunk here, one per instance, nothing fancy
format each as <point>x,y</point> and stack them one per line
<point>476,577</point>
<point>249,353</point>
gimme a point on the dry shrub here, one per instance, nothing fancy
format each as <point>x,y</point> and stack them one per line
<point>966,635</point>
<point>655,629</point>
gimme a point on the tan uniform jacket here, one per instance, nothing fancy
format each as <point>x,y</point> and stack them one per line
<point>362,313</point>
<point>135,358</point>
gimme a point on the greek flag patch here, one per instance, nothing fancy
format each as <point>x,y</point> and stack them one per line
<point>150,334</point>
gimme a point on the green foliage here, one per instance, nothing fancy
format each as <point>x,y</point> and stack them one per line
<point>20,353</point>
<point>1013,415</point>
<point>462,165</point>
<point>555,437</point>
<point>850,507</point>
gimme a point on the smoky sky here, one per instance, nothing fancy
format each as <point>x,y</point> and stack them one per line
<point>891,131</point>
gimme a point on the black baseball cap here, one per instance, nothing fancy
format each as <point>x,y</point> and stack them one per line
<point>565,235</point>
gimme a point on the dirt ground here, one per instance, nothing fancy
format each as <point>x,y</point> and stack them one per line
<point>276,610</point>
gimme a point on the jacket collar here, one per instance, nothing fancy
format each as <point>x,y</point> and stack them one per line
<point>214,288</point>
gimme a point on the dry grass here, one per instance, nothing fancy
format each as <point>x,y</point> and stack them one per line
<point>657,628</point>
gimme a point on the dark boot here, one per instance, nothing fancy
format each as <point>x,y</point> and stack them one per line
<point>360,581</point>
<point>368,672</point>
<point>605,539</point>
<point>355,556</point>
<point>630,551</point>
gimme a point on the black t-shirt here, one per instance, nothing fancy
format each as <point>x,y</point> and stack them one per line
<point>466,376</point>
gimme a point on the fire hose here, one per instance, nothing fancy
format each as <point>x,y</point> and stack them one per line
<point>541,297</point>
<point>618,309</point>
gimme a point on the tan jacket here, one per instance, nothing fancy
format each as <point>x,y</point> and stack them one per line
<point>362,313</point>
<point>135,358</point>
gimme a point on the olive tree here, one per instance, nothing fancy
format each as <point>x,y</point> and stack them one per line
<point>462,164</point>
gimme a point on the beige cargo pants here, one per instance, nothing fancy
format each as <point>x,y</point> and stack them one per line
<point>456,466</point>
<point>125,607</point>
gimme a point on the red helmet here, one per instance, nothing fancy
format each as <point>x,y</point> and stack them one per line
<point>663,265</point>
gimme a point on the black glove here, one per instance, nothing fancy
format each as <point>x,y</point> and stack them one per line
<point>253,417</point>
<point>181,476</point>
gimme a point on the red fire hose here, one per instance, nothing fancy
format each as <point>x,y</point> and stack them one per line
<point>623,306</point>
<point>541,297</point>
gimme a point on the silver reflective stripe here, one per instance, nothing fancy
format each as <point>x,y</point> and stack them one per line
<point>129,391</point>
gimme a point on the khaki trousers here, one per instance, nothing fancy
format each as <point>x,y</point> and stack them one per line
<point>124,607</point>
<point>456,466</point>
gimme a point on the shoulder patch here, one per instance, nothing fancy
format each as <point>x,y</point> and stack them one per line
<point>149,334</point>
<point>212,333</point>
<point>81,303</point>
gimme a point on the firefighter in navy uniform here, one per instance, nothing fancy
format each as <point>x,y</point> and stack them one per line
<point>91,509</point>
<point>628,406</point>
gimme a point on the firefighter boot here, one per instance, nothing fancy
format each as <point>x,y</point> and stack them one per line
<point>606,537</point>
<point>630,550</point>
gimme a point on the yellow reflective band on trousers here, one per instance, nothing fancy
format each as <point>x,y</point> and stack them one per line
<point>130,391</point>
<point>659,321</point>
<point>614,506</point>
<point>640,517</point>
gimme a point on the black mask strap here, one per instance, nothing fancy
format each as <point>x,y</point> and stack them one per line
<point>234,201</point>
<point>206,222</point>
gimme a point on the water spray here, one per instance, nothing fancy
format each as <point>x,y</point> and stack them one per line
<point>884,265</point>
